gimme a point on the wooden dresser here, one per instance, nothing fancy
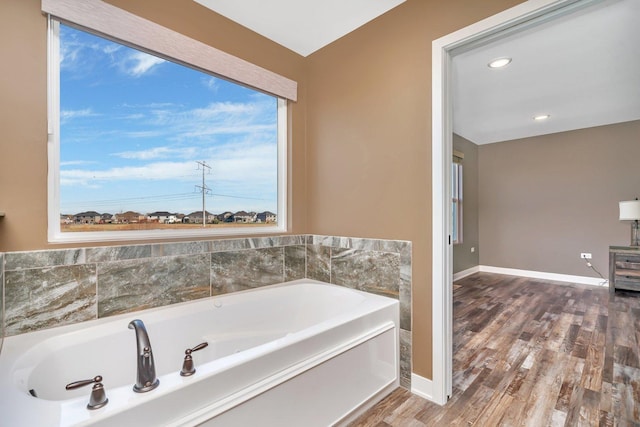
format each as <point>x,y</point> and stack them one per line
<point>624,268</point>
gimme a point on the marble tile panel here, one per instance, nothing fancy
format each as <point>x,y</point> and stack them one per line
<point>291,240</point>
<point>1,299</point>
<point>118,253</point>
<point>180,248</point>
<point>40,259</point>
<point>54,296</point>
<point>133,285</point>
<point>405,359</point>
<point>226,245</point>
<point>370,271</point>
<point>239,270</point>
<point>319,263</point>
<point>295,266</point>
<point>405,305</point>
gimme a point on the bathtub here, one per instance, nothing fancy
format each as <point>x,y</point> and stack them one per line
<point>298,353</point>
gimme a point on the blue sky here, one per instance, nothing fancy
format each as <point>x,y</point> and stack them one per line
<point>133,126</point>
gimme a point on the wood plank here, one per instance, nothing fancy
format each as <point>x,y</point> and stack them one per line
<point>533,353</point>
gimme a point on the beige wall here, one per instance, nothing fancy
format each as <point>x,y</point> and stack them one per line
<point>23,105</point>
<point>369,137</point>
<point>361,131</point>
<point>463,258</point>
<point>544,200</point>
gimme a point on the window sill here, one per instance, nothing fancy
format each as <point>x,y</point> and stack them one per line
<point>115,236</point>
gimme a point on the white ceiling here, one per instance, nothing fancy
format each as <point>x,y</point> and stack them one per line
<point>302,26</point>
<point>583,69</point>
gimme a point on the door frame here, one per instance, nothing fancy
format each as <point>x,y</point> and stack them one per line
<point>529,13</point>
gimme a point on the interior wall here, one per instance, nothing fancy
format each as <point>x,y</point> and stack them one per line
<point>463,257</point>
<point>544,200</point>
<point>23,105</point>
<point>369,137</point>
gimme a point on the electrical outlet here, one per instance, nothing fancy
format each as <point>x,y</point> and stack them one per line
<point>473,250</point>
<point>585,255</point>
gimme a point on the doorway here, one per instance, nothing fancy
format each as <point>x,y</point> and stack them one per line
<point>515,19</point>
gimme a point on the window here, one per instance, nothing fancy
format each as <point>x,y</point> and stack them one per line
<point>142,146</point>
<point>456,199</point>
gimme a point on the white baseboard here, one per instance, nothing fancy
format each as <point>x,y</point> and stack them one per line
<point>422,387</point>
<point>594,281</point>
<point>464,273</point>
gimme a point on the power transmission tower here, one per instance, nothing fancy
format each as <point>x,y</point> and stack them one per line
<point>204,189</point>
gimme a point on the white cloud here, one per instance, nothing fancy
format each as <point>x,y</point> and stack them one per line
<point>210,83</point>
<point>66,115</point>
<point>157,153</point>
<point>139,63</point>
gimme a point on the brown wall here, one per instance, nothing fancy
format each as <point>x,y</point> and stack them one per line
<point>369,136</point>
<point>361,129</point>
<point>23,104</point>
<point>544,200</point>
<point>463,258</point>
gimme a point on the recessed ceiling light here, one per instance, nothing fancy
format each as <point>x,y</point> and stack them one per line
<point>541,117</point>
<point>499,63</point>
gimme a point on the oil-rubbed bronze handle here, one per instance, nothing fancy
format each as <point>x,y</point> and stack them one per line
<point>98,396</point>
<point>78,384</point>
<point>187,365</point>
<point>196,348</point>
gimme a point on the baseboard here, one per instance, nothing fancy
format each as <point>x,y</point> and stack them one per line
<point>594,281</point>
<point>464,273</point>
<point>422,387</point>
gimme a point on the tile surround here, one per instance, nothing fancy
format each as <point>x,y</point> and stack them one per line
<point>43,289</point>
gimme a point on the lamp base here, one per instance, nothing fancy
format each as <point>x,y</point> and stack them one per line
<point>635,233</point>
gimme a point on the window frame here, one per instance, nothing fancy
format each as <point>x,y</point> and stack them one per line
<point>56,235</point>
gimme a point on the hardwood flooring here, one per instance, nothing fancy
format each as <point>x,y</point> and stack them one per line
<point>530,352</point>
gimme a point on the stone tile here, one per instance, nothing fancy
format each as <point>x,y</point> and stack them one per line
<point>295,266</point>
<point>240,270</point>
<point>54,296</point>
<point>132,285</point>
<point>405,305</point>
<point>405,359</point>
<point>370,271</point>
<point>227,245</point>
<point>118,253</point>
<point>182,248</point>
<point>40,259</point>
<point>319,263</point>
<point>1,299</point>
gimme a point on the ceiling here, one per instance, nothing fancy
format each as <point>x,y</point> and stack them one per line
<point>299,25</point>
<point>582,69</point>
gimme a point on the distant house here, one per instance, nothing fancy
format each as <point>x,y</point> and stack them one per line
<point>128,217</point>
<point>66,219</point>
<point>106,218</point>
<point>244,217</point>
<point>225,217</point>
<point>89,217</point>
<point>266,217</point>
<point>196,217</point>
<point>162,217</point>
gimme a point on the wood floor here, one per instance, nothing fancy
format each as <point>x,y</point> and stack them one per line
<point>530,352</point>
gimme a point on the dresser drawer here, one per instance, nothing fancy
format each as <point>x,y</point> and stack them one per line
<point>628,261</point>
<point>624,268</point>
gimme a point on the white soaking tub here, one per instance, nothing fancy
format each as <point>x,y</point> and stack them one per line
<point>299,353</point>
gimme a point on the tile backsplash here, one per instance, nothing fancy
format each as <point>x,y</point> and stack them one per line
<point>43,289</point>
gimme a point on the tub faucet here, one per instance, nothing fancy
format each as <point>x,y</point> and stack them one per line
<point>146,379</point>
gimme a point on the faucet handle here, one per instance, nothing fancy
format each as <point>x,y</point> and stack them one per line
<point>187,366</point>
<point>98,396</point>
